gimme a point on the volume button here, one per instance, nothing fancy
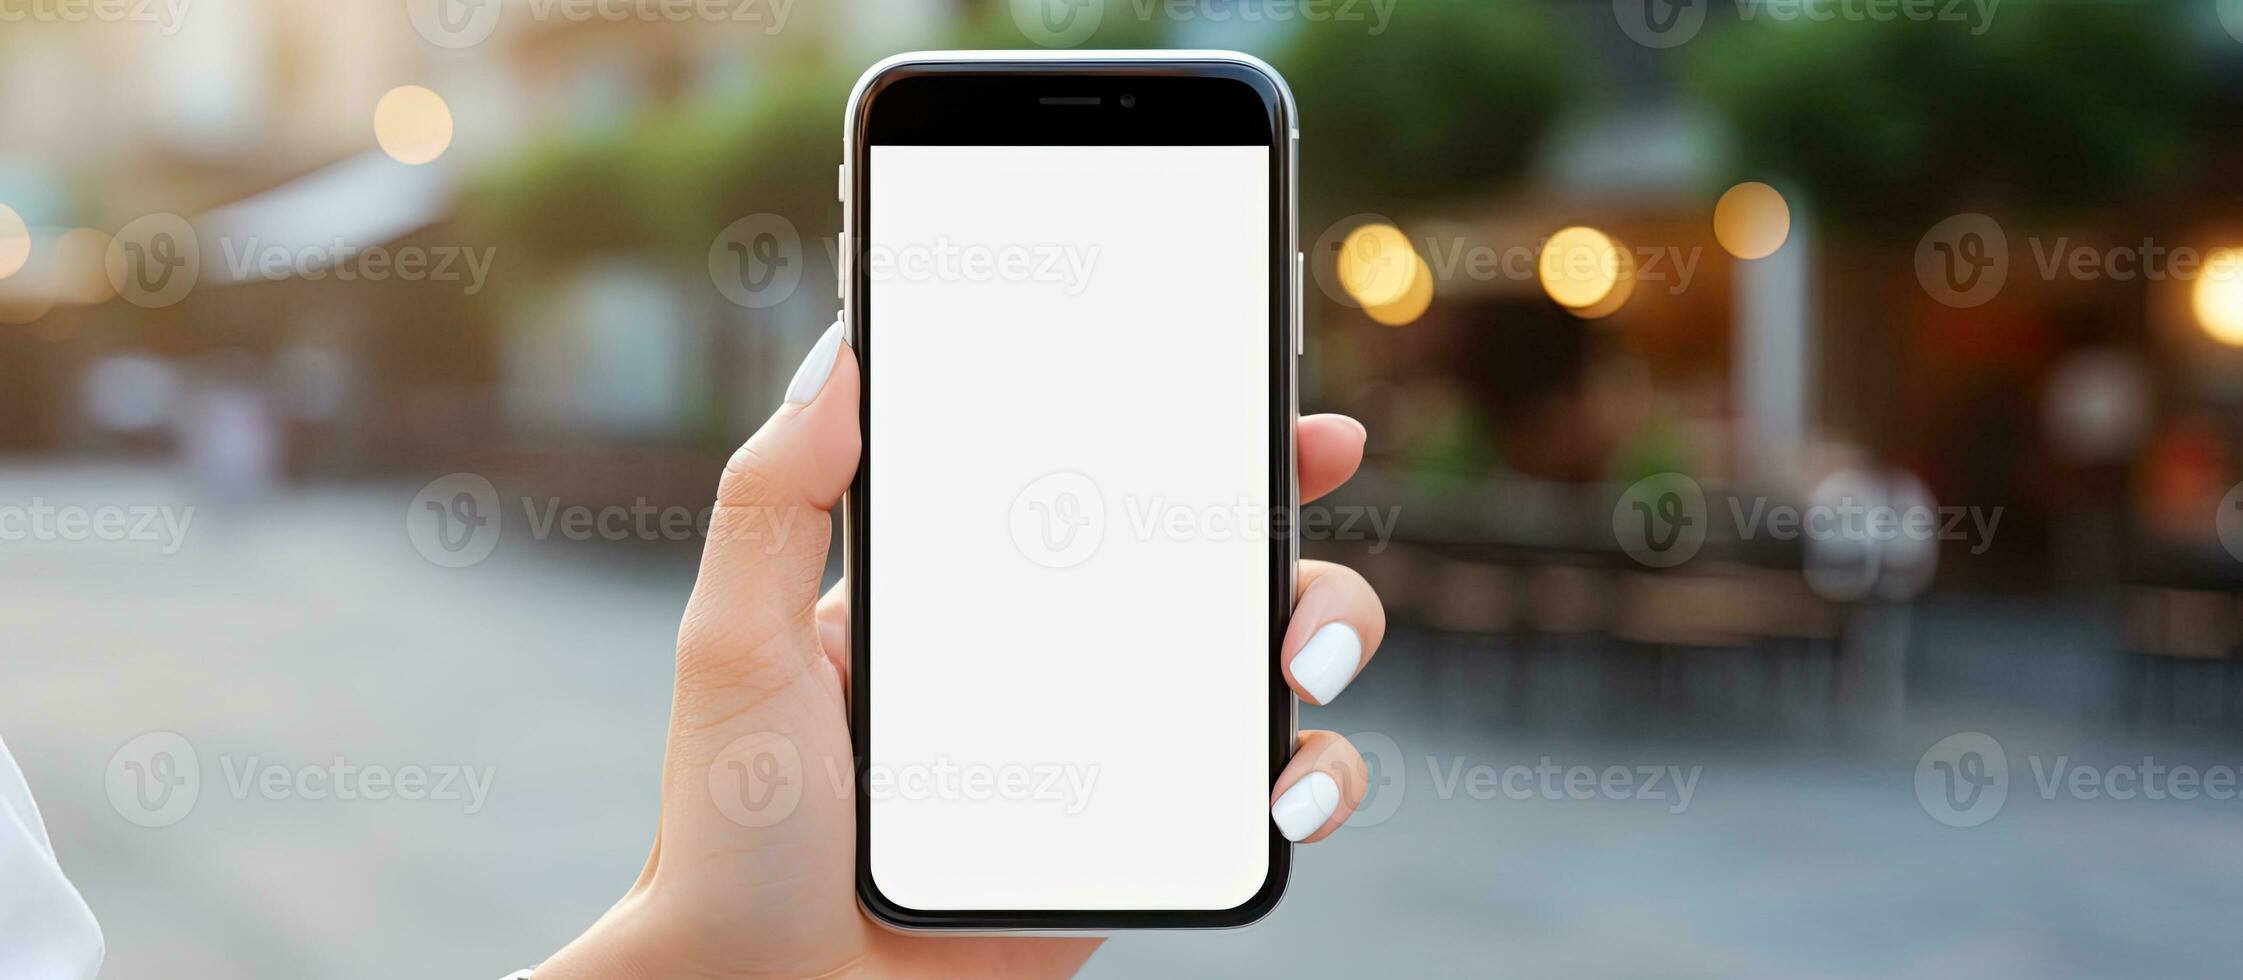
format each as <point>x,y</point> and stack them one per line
<point>841,183</point>
<point>1300,275</point>
<point>841,268</point>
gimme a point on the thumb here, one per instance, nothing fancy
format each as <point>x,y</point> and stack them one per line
<point>766,549</point>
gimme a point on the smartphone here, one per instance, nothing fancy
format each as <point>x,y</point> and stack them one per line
<point>1072,285</point>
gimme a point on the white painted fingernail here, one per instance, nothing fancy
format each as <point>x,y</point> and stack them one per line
<point>1327,661</point>
<point>810,378</point>
<point>1305,807</point>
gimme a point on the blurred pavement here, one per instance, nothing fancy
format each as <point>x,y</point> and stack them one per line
<point>1801,856</point>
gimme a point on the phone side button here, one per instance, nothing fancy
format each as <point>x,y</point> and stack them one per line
<point>841,267</point>
<point>1300,316</point>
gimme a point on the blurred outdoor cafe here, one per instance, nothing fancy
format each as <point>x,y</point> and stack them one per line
<point>1575,272</point>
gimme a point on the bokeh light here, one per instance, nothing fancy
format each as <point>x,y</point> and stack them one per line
<point>1585,271</point>
<point>1377,266</point>
<point>2217,298</point>
<point>1412,304</point>
<point>15,242</point>
<point>413,124</point>
<point>1751,221</point>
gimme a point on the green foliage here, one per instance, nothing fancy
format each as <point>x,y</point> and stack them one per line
<point>1893,123</point>
<point>668,181</point>
<point>1450,99</point>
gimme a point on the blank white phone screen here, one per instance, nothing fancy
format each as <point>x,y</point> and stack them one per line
<point>1068,538</point>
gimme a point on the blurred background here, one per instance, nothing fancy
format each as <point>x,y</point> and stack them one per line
<point>1832,407</point>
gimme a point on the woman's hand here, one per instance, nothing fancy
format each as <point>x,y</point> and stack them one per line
<point>740,888</point>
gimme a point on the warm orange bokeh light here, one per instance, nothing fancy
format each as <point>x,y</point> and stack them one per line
<point>1751,220</point>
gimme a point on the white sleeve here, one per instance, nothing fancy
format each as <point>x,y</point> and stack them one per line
<point>46,930</point>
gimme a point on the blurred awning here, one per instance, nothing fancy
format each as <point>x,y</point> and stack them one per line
<point>360,202</point>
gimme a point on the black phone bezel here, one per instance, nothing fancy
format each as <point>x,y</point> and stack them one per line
<point>1177,102</point>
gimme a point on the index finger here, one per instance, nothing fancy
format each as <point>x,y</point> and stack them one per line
<point>1330,447</point>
